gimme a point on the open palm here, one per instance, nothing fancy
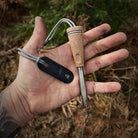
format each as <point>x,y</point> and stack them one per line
<point>43,92</point>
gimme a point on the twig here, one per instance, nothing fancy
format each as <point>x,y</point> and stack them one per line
<point>9,52</point>
<point>126,68</point>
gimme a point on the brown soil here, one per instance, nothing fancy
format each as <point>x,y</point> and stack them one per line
<point>108,116</point>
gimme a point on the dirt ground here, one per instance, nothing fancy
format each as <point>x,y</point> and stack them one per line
<point>108,115</point>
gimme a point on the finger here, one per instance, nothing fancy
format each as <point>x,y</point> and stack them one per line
<point>105,60</point>
<point>38,36</point>
<point>104,44</point>
<point>95,33</point>
<point>102,87</point>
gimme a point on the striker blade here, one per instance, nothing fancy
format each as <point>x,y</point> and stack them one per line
<point>83,87</point>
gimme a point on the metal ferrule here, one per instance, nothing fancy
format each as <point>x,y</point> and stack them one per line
<point>76,31</point>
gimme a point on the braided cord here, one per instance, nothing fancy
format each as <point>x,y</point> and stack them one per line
<point>29,56</point>
<point>53,31</point>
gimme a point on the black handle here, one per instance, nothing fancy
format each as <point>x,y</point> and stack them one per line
<point>56,70</point>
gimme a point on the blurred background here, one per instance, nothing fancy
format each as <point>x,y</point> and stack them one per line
<point>108,115</point>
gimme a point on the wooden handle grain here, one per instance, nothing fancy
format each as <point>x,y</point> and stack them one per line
<point>76,42</point>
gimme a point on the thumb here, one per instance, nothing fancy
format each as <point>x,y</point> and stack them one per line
<point>38,37</point>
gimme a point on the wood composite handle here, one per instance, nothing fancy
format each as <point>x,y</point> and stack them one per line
<point>76,42</point>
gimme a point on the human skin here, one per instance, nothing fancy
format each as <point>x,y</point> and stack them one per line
<point>34,92</point>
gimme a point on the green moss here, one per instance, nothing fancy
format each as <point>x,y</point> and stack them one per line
<point>115,12</point>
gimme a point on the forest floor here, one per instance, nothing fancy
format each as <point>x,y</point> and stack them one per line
<point>108,115</point>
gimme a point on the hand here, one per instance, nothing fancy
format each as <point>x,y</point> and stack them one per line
<point>42,91</point>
